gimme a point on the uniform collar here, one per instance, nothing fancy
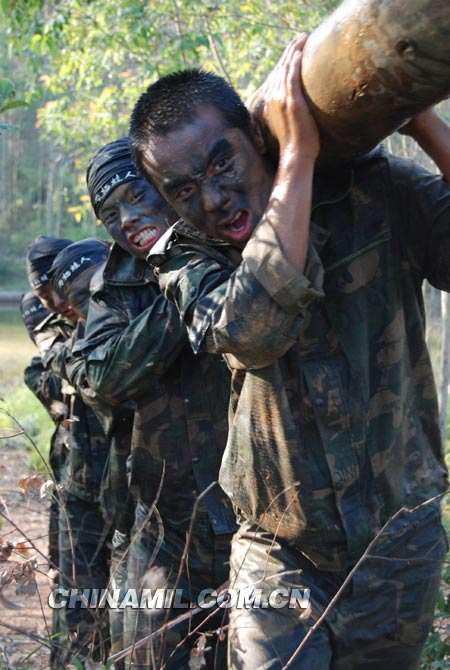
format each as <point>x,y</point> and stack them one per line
<point>124,269</point>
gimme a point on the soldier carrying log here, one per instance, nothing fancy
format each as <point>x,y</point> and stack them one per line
<point>310,287</point>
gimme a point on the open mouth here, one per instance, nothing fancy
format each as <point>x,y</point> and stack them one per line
<point>69,313</point>
<point>238,228</point>
<point>144,238</point>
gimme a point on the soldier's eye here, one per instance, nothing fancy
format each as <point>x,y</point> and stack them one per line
<point>108,217</point>
<point>223,164</point>
<point>185,192</point>
<point>137,195</point>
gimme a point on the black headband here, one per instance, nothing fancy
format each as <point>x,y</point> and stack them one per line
<point>74,260</point>
<point>109,167</point>
<point>40,257</point>
<point>32,311</point>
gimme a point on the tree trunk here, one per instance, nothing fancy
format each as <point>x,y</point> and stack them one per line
<point>371,66</point>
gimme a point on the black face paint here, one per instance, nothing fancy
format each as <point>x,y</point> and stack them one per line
<point>213,175</point>
<point>135,215</point>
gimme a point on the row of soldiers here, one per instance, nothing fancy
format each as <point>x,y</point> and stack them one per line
<point>308,284</point>
<point>141,424</point>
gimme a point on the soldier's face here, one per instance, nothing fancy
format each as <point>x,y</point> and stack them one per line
<point>135,215</point>
<point>213,175</point>
<point>78,291</point>
<point>54,302</point>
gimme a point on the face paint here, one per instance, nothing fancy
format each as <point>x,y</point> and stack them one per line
<point>136,216</point>
<point>213,175</point>
<point>54,302</point>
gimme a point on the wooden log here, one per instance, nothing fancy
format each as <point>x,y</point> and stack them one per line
<point>369,67</point>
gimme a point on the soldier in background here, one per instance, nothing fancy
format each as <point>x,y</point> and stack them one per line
<point>73,273</point>
<point>46,386</point>
<point>55,326</point>
<point>84,549</point>
<point>310,285</point>
<point>136,349</point>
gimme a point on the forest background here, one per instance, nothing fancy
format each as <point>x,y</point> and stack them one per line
<point>79,65</point>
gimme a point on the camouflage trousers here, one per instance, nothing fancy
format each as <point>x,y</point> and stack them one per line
<point>380,622</point>
<point>154,561</point>
<point>84,555</point>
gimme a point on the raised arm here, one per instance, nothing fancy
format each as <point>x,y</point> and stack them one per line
<point>432,134</point>
<point>290,121</point>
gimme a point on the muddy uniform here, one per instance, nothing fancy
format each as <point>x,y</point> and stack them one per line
<point>334,423</point>
<point>136,349</point>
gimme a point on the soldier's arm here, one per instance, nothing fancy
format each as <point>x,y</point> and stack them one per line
<point>288,116</point>
<point>123,357</point>
<point>46,386</point>
<point>252,312</point>
<point>432,134</point>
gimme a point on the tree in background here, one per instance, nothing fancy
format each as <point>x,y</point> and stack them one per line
<point>83,64</point>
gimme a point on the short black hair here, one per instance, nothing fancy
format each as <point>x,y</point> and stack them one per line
<point>172,101</point>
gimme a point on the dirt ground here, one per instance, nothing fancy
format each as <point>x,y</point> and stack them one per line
<point>25,617</point>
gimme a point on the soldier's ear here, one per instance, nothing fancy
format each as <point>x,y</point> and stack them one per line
<point>258,135</point>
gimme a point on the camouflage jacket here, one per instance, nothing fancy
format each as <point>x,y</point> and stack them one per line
<point>136,348</point>
<point>117,423</point>
<point>52,330</point>
<point>334,421</point>
<point>46,386</point>
<point>85,439</point>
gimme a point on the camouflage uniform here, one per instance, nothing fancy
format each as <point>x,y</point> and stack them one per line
<point>115,499</point>
<point>84,553</point>
<point>334,422</point>
<point>44,329</point>
<point>136,349</point>
<point>47,387</point>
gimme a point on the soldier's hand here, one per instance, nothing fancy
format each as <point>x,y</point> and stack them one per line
<point>286,110</point>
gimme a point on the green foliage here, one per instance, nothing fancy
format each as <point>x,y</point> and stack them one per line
<point>83,65</point>
<point>17,400</point>
<point>8,100</point>
<point>33,419</point>
<point>93,64</point>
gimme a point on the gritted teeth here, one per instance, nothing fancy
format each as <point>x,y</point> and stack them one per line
<point>144,236</point>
